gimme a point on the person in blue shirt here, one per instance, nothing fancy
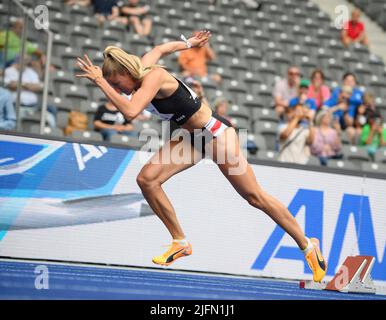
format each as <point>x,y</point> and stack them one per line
<point>302,99</point>
<point>345,101</point>
<point>7,111</point>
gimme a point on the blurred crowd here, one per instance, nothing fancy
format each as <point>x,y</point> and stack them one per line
<point>312,117</point>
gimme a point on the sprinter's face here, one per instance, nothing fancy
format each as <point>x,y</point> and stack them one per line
<point>122,83</point>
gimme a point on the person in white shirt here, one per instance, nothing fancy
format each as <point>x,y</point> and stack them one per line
<point>31,85</point>
<point>295,138</point>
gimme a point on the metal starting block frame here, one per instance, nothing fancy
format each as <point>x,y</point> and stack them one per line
<point>354,276</point>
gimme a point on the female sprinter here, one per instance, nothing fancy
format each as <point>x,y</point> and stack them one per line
<point>154,88</point>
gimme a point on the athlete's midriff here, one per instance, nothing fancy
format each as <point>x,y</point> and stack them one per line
<point>199,118</point>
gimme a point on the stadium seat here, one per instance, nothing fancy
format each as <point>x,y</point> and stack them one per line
<point>131,142</point>
<point>267,155</point>
<point>75,93</point>
<point>311,45</point>
<point>251,82</point>
<point>298,34</point>
<point>281,62</point>
<point>188,8</point>
<point>269,131</point>
<point>312,27</point>
<point>267,74</point>
<point>175,17</point>
<point>89,106</point>
<point>236,89</point>
<point>69,57</point>
<point>78,12</point>
<point>239,111</point>
<point>59,43</point>
<point>96,94</point>
<point>356,155</point>
<point>142,126</point>
<point>252,57</point>
<point>225,73</point>
<point>380,155</point>
<point>249,26</point>
<point>90,24</point>
<point>78,35</point>
<point>286,42</point>
<point>225,55</point>
<point>334,70</point>
<point>341,164</point>
<point>55,132</point>
<point>264,114</point>
<point>238,68</point>
<point>313,161</point>
<point>60,103</point>
<point>62,119</point>
<point>363,73</point>
<point>86,135</point>
<point>59,21</point>
<point>345,138</point>
<point>240,122</point>
<point>252,101</point>
<point>265,95</point>
<point>258,140</point>
<point>109,38</point>
<point>59,78</point>
<point>117,29</point>
<point>228,7</point>
<point>377,85</point>
<point>261,39</point>
<point>374,167</point>
<point>29,120</point>
<point>349,60</point>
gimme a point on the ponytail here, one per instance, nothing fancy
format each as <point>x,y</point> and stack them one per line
<point>117,61</point>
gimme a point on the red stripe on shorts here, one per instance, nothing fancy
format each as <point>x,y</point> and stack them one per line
<point>216,126</point>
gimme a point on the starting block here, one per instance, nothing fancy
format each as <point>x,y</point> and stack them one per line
<point>354,276</point>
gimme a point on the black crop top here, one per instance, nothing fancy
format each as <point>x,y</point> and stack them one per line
<point>179,107</point>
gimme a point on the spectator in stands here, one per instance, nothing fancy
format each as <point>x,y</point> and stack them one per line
<point>14,44</point>
<point>31,86</point>
<point>221,106</point>
<point>7,111</point>
<point>193,62</point>
<point>354,30</point>
<point>345,101</point>
<point>318,90</point>
<point>138,16</point>
<point>327,143</point>
<point>338,106</point>
<point>285,90</point>
<point>295,139</point>
<point>107,10</point>
<point>302,99</point>
<point>361,117</point>
<point>109,121</point>
<point>373,134</point>
<point>82,3</point>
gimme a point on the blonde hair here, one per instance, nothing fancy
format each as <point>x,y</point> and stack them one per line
<point>117,61</point>
<point>321,114</point>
